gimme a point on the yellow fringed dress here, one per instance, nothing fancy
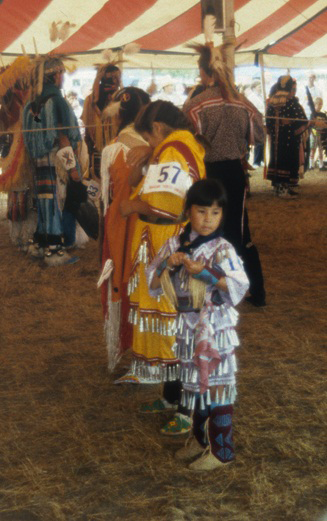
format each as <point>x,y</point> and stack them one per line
<point>153,319</point>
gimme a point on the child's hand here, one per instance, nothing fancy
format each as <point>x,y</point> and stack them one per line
<point>193,267</point>
<point>176,259</point>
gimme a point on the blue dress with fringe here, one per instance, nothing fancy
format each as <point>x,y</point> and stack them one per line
<point>45,117</point>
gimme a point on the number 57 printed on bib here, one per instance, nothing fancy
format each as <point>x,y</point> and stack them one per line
<point>167,177</point>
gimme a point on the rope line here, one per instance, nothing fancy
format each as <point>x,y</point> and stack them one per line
<point>4,132</point>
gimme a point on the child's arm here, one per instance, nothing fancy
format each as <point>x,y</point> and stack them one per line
<point>129,206</point>
<point>232,267</point>
<point>155,284</point>
<point>208,275</point>
<point>158,263</point>
<point>176,259</point>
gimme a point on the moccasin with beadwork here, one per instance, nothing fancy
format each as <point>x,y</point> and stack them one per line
<point>159,405</point>
<point>180,424</point>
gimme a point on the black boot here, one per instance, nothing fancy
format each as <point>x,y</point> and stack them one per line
<point>252,266</point>
<point>199,422</point>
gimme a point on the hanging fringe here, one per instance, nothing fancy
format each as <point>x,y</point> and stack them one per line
<point>149,322</point>
<point>168,288</point>
<point>198,291</point>
<point>227,396</point>
<point>155,372</point>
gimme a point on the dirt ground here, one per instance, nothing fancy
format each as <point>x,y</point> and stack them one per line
<point>74,447</point>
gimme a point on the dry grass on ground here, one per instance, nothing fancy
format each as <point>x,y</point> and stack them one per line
<point>73,447</point>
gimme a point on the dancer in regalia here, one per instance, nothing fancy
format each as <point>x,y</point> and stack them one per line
<point>204,278</point>
<point>16,179</point>
<point>115,188</point>
<point>100,129</point>
<point>51,138</point>
<point>176,162</point>
<point>286,122</point>
<point>230,123</point>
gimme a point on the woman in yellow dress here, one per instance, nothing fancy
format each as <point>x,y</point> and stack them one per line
<point>175,164</point>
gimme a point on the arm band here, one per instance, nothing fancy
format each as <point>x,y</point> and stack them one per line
<point>163,266</point>
<point>209,275</point>
<point>67,157</point>
<point>160,269</point>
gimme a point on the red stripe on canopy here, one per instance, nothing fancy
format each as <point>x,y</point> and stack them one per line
<point>305,36</point>
<point>273,22</point>
<point>180,30</point>
<point>109,20</point>
<point>15,18</point>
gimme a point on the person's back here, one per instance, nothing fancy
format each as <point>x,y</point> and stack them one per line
<point>47,113</point>
<point>228,125</point>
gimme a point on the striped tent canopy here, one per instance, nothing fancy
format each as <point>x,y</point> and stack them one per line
<point>290,33</point>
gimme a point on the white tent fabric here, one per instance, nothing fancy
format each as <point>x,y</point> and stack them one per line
<point>290,33</point>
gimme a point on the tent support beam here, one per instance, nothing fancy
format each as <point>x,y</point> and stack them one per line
<point>262,74</point>
<point>229,34</point>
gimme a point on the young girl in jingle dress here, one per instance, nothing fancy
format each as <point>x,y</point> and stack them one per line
<point>202,275</point>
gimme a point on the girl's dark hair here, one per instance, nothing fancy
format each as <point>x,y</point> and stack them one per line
<point>132,99</point>
<point>167,113</point>
<point>162,112</point>
<point>206,192</point>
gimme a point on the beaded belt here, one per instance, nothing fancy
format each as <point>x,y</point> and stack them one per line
<point>183,306</point>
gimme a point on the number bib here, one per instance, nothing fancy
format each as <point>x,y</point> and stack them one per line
<point>167,177</point>
<point>93,190</point>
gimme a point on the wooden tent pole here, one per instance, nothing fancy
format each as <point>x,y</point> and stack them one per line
<point>264,94</point>
<point>229,34</point>
<point>262,74</point>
